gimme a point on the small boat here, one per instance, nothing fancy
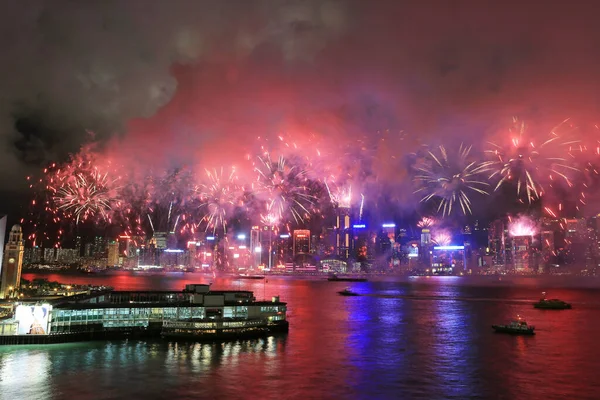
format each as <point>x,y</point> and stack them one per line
<point>347,292</point>
<point>516,327</point>
<point>244,276</point>
<point>551,304</point>
<point>335,278</point>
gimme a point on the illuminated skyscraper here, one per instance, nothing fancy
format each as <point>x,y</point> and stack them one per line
<point>284,249</point>
<point>113,254</point>
<point>125,247</point>
<point>78,245</point>
<point>343,232</point>
<point>160,239</point>
<point>268,237</point>
<point>425,237</point>
<point>192,246</point>
<point>12,263</point>
<point>522,252</point>
<point>301,242</point>
<point>576,240</point>
<point>255,246</point>
<point>360,243</point>
<point>547,245</point>
<point>594,223</point>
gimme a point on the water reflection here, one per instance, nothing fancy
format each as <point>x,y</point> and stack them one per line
<point>27,372</point>
<point>24,372</point>
<point>376,342</point>
<point>429,340</point>
<point>455,349</point>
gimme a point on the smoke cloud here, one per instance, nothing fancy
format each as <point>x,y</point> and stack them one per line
<point>207,83</point>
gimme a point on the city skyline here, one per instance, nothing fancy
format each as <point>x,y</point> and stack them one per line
<point>303,199</point>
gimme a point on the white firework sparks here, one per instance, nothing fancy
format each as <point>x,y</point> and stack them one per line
<point>284,185</point>
<point>450,180</point>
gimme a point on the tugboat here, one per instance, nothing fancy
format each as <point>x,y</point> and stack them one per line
<point>551,304</point>
<point>347,292</point>
<point>517,327</point>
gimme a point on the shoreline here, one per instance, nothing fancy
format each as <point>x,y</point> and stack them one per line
<point>112,278</point>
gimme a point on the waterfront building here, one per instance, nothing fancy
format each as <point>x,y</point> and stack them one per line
<point>32,255</point>
<point>12,263</point>
<point>67,256</point>
<point>448,260</point>
<point>196,312</point>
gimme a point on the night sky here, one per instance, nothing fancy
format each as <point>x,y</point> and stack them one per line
<point>175,83</point>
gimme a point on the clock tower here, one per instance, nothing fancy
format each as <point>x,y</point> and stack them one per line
<point>12,264</point>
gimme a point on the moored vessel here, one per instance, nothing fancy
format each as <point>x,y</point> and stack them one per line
<point>336,278</point>
<point>515,327</point>
<point>246,276</point>
<point>551,304</point>
<point>347,292</point>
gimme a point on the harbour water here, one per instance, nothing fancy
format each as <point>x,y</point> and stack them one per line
<point>425,338</point>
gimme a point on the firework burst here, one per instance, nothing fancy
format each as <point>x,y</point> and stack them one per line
<point>218,197</point>
<point>340,196</point>
<point>285,187</point>
<point>441,238</point>
<point>450,180</point>
<point>527,165</point>
<point>426,223</point>
<point>168,199</point>
<point>522,226</point>
<point>270,218</point>
<point>86,195</point>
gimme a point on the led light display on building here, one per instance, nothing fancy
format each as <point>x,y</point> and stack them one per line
<point>32,320</point>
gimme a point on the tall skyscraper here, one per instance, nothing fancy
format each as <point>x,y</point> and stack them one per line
<point>192,248</point>
<point>425,237</point>
<point>547,245</point>
<point>160,240</point>
<point>255,246</point>
<point>12,263</point>
<point>342,232</point>
<point>78,245</point>
<point>522,252</point>
<point>113,254</point>
<point>283,249</point>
